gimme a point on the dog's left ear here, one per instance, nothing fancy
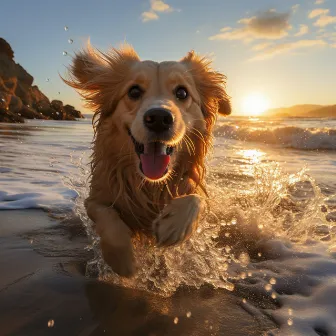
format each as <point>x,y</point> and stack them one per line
<point>210,85</point>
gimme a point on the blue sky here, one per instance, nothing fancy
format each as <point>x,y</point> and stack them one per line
<point>284,50</point>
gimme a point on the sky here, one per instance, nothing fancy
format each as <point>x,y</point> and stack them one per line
<point>282,50</point>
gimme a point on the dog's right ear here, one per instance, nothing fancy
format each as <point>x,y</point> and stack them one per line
<point>97,75</point>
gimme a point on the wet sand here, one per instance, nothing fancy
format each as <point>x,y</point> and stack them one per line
<point>42,263</point>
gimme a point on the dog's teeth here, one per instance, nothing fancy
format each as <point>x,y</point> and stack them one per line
<point>163,149</point>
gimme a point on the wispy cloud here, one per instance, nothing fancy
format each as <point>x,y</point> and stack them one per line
<point>323,17</point>
<point>261,46</point>
<point>325,20</point>
<point>286,47</point>
<point>304,29</point>
<point>267,25</point>
<point>317,12</point>
<point>156,6</point>
<point>149,16</point>
<point>319,2</point>
<point>295,8</point>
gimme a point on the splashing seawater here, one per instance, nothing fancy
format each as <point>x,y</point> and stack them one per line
<point>270,204</point>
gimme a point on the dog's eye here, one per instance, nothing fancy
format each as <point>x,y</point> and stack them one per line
<point>135,92</point>
<point>181,92</point>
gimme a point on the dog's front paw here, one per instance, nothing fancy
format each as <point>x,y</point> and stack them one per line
<point>177,220</point>
<point>117,250</point>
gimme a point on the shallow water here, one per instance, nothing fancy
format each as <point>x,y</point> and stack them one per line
<point>271,230</point>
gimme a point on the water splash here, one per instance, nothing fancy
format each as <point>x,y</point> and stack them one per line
<point>272,204</point>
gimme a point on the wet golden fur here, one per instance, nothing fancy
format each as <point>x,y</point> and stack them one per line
<point>119,194</point>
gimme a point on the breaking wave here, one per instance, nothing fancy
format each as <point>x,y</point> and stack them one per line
<point>288,136</point>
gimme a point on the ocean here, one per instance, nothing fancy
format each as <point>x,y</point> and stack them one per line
<point>270,233</point>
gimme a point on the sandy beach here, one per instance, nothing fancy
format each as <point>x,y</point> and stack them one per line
<point>42,283</point>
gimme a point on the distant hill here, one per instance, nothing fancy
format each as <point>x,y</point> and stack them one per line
<point>304,111</point>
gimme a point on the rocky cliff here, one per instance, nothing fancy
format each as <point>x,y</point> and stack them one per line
<point>20,99</point>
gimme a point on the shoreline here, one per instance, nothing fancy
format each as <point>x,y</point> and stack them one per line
<point>43,282</point>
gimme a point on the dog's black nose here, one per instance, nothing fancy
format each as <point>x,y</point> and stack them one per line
<point>158,120</point>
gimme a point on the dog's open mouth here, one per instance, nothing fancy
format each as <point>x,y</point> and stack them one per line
<point>154,158</point>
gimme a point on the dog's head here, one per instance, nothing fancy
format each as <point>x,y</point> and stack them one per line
<point>162,109</point>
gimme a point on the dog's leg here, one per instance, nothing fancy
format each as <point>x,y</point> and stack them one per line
<point>178,220</point>
<point>115,237</point>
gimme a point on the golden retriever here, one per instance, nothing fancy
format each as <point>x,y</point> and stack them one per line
<point>153,128</point>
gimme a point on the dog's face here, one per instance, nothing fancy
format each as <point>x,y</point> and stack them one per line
<point>154,106</point>
<point>159,106</point>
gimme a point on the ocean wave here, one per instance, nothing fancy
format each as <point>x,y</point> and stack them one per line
<point>288,136</point>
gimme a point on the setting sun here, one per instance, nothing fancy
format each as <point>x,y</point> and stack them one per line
<point>255,104</point>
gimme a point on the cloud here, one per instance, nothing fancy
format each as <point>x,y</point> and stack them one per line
<point>261,46</point>
<point>267,25</point>
<point>148,16</point>
<point>295,8</point>
<point>157,6</point>
<point>319,2</point>
<point>304,29</point>
<point>286,47</point>
<point>317,12</point>
<point>160,6</point>
<point>325,20</point>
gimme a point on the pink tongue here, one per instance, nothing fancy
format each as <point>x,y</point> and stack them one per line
<point>154,165</point>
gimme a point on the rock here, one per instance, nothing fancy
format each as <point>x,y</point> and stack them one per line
<point>19,97</point>
<point>15,104</point>
<point>29,113</point>
<point>70,110</point>
<point>6,49</point>
<point>8,116</point>
<point>57,105</point>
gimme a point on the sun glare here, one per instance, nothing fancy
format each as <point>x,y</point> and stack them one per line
<point>255,104</point>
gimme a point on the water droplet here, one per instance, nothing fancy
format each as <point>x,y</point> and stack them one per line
<point>229,286</point>
<point>188,314</point>
<point>244,300</point>
<point>249,273</point>
<point>70,41</point>
<point>223,223</point>
<point>19,114</point>
<point>290,322</point>
<point>259,254</point>
<point>234,221</point>
<point>31,241</point>
<point>273,296</point>
<point>57,113</point>
<point>227,234</point>
<point>28,105</point>
<point>51,323</point>
<point>272,281</point>
<point>199,230</point>
<point>290,311</point>
<point>243,275</point>
<point>176,320</point>
<point>244,259</point>
<point>66,28</point>
<point>260,226</point>
<point>268,287</point>
<point>65,53</point>
<point>227,249</point>
<point>47,79</point>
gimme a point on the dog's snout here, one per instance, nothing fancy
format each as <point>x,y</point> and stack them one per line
<point>158,119</point>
